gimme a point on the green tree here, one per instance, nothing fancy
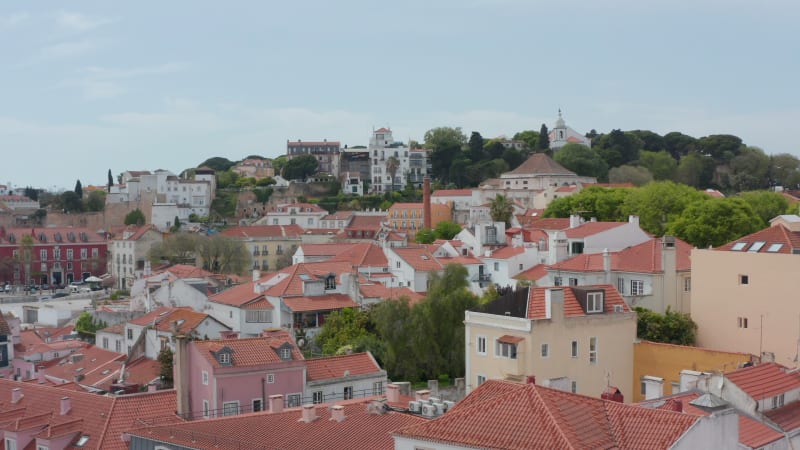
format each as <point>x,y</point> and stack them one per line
<point>71,202</point>
<point>301,167</point>
<point>582,160</point>
<point>679,145</point>
<point>715,222</point>
<point>32,193</point>
<point>135,217</point>
<point>79,189</point>
<point>650,141</point>
<point>177,248</point>
<point>392,166</point>
<point>618,148</point>
<point>342,328</point>
<point>501,209</point>
<point>446,230</point>
<point>767,205</point>
<point>784,170</point>
<point>494,148</point>
<point>165,358</point>
<point>279,163</point>
<point>425,236</point>
<point>696,170</point>
<point>226,179</point>
<point>393,322</point>
<point>543,142</point>
<point>445,144</point>
<point>39,216</point>
<point>721,147</point>
<point>660,164</point>
<point>176,225</point>
<point>749,170</point>
<point>217,163</point>
<point>110,180</point>
<point>86,326</point>
<point>670,328</point>
<point>96,201</point>
<point>529,137</point>
<point>659,203</point>
<point>222,254</point>
<point>606,204</point>
<point>513,158</point>
<point>476,147</point>
<point>637,175</point>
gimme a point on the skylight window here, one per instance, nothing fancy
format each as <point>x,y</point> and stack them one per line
<point>774,248</point>
<point>756,246</point>
<point>82,441</point>
<point>739,246</point>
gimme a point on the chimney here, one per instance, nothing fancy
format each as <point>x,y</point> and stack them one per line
<point>309,413</point>
<point>392,393</point>
<point>672,294</point>
<point>426,201</point>
<point>554,303</point>
<point>607,265</point>
<point>256,277</point>
<point>65,405</point>
<point>423,395</point>
<point>16,395</point>
<point>574,221</point>
<point>337,413</point>
<point>530,379</point>
<point>181,378</point>
<point>634,220</point>
<point>276,403</point>
<point>40,375</point>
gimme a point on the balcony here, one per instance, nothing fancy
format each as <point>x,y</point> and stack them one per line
<point>482,278</point>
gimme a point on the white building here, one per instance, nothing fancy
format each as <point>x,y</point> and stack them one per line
<point>161,325</point>
<point>412,164</point>
<point>562,135</point>
<point>128,253</point>
<point>304,214</point>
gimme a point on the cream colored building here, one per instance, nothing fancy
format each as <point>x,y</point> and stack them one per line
<point>745,293</point>
<point>577,338</point>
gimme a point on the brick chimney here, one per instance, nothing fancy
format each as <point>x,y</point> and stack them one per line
<point>426,202</point>
<point>309,413</point>
<point>393,393</point>
<point>66,405</point>
<point>337,413</point>
<point>276,403</point>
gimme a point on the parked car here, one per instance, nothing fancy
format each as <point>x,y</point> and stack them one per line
<point>9,288</point>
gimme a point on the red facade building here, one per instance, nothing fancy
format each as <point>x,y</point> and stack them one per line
<point>51,255</point>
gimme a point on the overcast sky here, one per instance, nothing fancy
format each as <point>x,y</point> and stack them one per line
<point>89,86</point>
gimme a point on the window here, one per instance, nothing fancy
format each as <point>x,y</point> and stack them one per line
<point>230,408</point>
<point>43,254</point>
<point>481,380</point>
<point>279,250</point>
<point>258,405</point>
<point>225,358</point>
<point>316,397</point>
<point>621,285</point>
<point>118,346</point>
<point>557,281</point>
<point>737,247</point>
<point>105,343</point>
<point>130,333</point>
<point>292,221</point>
<point>744,279</point>
<point>592,350</point>
<point>11,444</point>
<point>687,284</point>
<point>742,322</point>
<point>258,316</point>
<point>545,350</point>
<point>594,302</point>
<point>637,287</point>
<point>205,409</point>
<point>293,400</point>
<point>69,254</point>
<point>520,267</point>
<point>574,387</point>
<point>573,281</point>
<point>496,266</point>
<point>756,246</point>
<point>330,282</point>
<point>84,253</point>
<point>643,388</point>
<point>481,345</point>
<point>274,221</point>
<point>574,349</point>
<point>205,378</point>
<point>270,378</point>
<point>41,447</point>
<point>774,248</point>
<point>377,387</point>
<point>95,253</point>
<point>506,350</point>
<point>286,353</point>
<point>777,401</point>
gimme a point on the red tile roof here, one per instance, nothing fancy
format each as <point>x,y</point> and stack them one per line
<point>549,223</point>
<point>185,271</point>
<point>776,234</point>
<point>52,235</point>
<point>292,277</point>
<point>264,231</point>
<point>642,258</point>
<point>540,164</point>
<point>319,303</point>
<point>572,308</point>
<point>590,228</point>
<point>506,252</point>
<point>366,223</point>
<point>506,415</point>
<point>535,273</point>
<point>249,351</point>
<point>764,380</point>
<point>164,317</point>
<point>339,215</point>
<point>304,208</point>
<point>418,257</point>
<point>452,193</point>
<point>341,366</point>
<point>83,364</point>
<point>787,417</point>
<point>361,430</point>
<point>237,295</point>
<point>377,290</point>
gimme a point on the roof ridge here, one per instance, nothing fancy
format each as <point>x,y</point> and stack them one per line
<point>549,413</point>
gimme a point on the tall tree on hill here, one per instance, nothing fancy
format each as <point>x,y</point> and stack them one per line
<point>476,147</point>
<point>110,180</point>
<point>79,189</point>
<point>445,144</point>
<point>501,209</point>
<point>543,142</point>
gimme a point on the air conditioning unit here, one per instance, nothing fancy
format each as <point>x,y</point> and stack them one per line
<point>434,399</point>
<point>414,407</point>
<point>448,405</point>
<point>440,409</point>
<point>429,410</point>
<point>617,308</point>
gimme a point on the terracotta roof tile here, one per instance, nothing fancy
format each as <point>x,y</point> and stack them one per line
<point>249,351</point>
<point>419,257</point>
<point>764,380</point>
<point>506,252</point>
<point>572,308</point>
<point>366,223</point>
<point>264,231</point>
<point>540,164</point>
<point>377,290</point>
<point>774,239</point>
<point>292,277</point>
<point>319,303</point>
<point>237,295</point>
<point>642,258</point>
<point>340,366</point>
<point>549,223</point>
<point>787,417</point>
<point>535,273</point>
<point>590,228</point>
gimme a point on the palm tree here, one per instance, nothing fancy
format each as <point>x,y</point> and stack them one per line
<point>501,209</point>
<point>392,165</point>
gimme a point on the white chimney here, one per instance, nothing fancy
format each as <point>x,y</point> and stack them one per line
<point>16,395</point>
<point>634,220</point>
<point>337,413</point>
<point>392,393</point>
<point>423,395</point>
<point>256,275</point>
<point>607,265</point>
<point>309,413</point>
<point>276,403</point>
<point>575,221</point>
<point>548,304</point>
<point>65,405</point>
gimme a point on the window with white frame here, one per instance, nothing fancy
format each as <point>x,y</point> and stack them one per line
<point>574,349</point>
<point>11,444</point>
<point>286,353</point>
<point>594,302</point>
<point>348,392</point>
<point>258,316</point>
<point>230,408</point>
<point>69,254</point>
<point>270,378</point>
<point>43,254</point>
<point>573,281</point>
<point>205,378</point>
<point>225,358</point>
<point>84,253</point>
<point>481,345</point>
<point>777,401</point>
<point>557,281</point>
<point>506,350</point>
<point>377,387</point>
<point>637,287</point>
<point>593,350</point>
<point>621,285</point>
<point>41,447</point>
<point>316,397</point>
<point>545,350</point>
<point>687,284</point>
<point>496,266</point>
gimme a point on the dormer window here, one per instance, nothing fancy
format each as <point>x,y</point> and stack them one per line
<point>285,352</point>
<point>224,358</point>
<point>594,302</point>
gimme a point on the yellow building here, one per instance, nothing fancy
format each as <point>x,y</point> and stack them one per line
<point>658,366</point>
<point>409,217</point>
<point>577,338</point>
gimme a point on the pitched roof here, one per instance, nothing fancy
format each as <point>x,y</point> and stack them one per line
<point>525,416</point>
<point>641,258</point>
<point>535,273</point>
<point>319,303</point>
<point>249,351</point>
<point>363,254</point>
<point>540,164</point>
<point>237,295</point>
<point>361,430</point>
<point>773,239</point>
<point>549,223</point>
<point>418,257</point>
<point>506,252</point>
<point>291,278</point>
<point>186,271</point>
<point>264,231</point>
<point>185,317</point>
<point>590,228</point>
<point>333,367</point>
<point>366,223</point>
<point>764,380</point>
<point>370,289</point>
<point>83,364</point>
<point>64,235</point>
<point>572,307</point>
<point>787,417</point>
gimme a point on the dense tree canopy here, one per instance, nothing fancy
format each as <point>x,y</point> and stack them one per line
<point>660,164</point>
<point>602,203</point>
<point>501,209</point>
<point>135,217</point>
<point>582,160</point>
<point>637,175</point>
<point>446,229</point>
<point>660,203</point>
<point>217,163</point>
<point>670,328</point>
<point>715,221</point>
<point>300,167</point>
